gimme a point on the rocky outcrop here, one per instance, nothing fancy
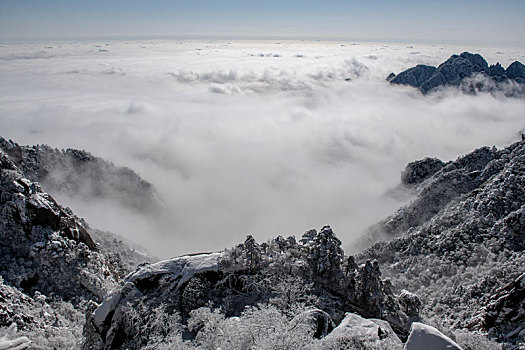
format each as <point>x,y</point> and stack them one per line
<point>468,71</point>
<point>80,174</point>
<point>420,170</point>
<point>504,313</point>
<point>461,239</point>
<point>415,76</point>
<point>282,272</point>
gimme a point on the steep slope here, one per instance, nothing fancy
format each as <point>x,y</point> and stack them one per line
<point>468,71</point>
<point>462,239</point>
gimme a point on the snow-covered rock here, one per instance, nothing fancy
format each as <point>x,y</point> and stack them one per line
<point>180,269</point>
<point>320,322</point>
<point>428,338</point>
<point>420,170</point>
<point>15,343</point>
<point>368,333</point>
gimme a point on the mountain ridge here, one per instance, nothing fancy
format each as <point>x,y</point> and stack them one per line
<point>470,72</point>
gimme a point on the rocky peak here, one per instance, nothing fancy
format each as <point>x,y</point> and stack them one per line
<point>516,71</point>
<point>496,70</point>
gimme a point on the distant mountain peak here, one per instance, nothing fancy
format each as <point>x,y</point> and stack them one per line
<point>459,70</point>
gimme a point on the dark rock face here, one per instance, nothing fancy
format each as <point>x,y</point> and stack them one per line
<point>80,174</point>
<point>504,313</point>
<point>458,70</point>
<point>462,238</point>
<point>281,272</point>
<point>391,76</point>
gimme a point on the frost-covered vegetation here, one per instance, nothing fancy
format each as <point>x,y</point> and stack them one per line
<point>283,277</point>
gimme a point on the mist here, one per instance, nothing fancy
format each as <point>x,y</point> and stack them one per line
<point>261,138</point>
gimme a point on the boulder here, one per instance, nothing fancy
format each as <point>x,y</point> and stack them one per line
<point>366,333</point>
<point>428,338</point>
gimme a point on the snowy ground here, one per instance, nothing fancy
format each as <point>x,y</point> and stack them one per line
<point>261,138</point>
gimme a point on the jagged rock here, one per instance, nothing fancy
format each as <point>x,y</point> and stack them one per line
<point>465,70</point>
<point>45,248</point>
<point>411,303</point>
<point>444,183</point>
<point>428,338</point>
<point>80,174</point>
<point>496,70</point>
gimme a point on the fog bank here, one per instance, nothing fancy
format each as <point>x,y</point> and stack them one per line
<point>260,138</point>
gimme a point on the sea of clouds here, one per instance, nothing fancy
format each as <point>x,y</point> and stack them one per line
<point>263,138</point>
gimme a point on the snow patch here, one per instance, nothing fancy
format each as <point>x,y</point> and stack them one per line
<point>184,267</point>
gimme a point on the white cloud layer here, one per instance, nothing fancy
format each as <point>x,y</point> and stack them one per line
<point>239,138</point>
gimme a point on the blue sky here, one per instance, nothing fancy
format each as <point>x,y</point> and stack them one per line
<point>460,21</point>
